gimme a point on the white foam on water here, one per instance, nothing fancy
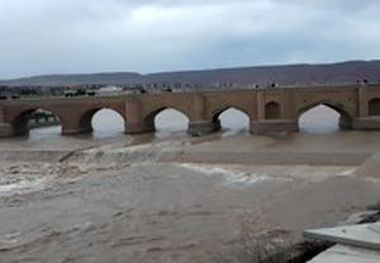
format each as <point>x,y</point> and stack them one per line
<point>230,176</point>
<point>280,173</point>
<point>348,172</point>
<point>9,240</point>
<point>118,149</point>
<point>22,187</point>
<point>310,173</point>
<point>372,179</point>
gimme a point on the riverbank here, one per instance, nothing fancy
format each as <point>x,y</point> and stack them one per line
<point>180,199</point>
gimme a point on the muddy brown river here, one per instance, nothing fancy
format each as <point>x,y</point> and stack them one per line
<point>166,197</point>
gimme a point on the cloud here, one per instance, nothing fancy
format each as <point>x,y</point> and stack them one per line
<point>44,36</point>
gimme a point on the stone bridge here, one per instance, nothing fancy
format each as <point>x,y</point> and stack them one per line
<point>269,110</point>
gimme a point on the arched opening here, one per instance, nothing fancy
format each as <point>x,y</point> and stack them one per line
<point>272,110</point>
<point>232,120</point>
<point>105,123</point>
<point>38,123</point>
<point>374,107</point>
<point>323,118</point>
<point>168,121</point>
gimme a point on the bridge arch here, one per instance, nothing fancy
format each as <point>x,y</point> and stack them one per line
<point>272,110</point>
<point>86,117</point>
<point>345,117</point>
<point>217,116</point>
<point>150,117</point>
<point>20,122</point>
<point>374,107</point>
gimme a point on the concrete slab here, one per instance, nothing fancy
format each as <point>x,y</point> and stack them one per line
<point>345,254</point>
<point>365,236</point>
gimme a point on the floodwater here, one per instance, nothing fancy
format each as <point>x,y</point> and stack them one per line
<point>108,197</point>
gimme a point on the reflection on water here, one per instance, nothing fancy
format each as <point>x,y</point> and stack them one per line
<point>109,124</point>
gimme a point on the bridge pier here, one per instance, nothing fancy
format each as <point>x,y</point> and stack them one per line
<point>139,127</point>
<point>73,127</point>
<point>199,128</point>
<point>345,123</point>
<point>74,131</point>
<point>261,127</point>
<point>6,130</point>
<point>366,123</point>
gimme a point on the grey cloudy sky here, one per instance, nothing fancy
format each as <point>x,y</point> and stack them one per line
<point>65,36</point>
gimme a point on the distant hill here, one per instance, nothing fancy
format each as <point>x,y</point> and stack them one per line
<point>78,79</point>
<point>301,74</point>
